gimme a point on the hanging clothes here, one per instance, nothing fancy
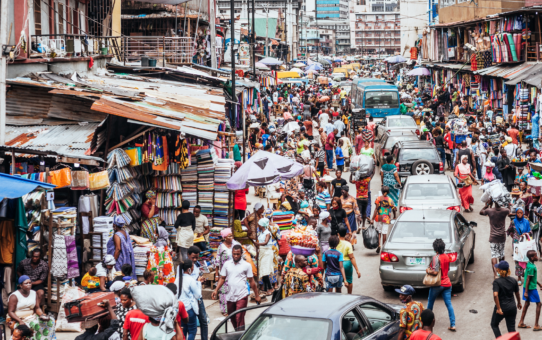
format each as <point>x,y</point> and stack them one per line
<point>59,265</point>
<point>7,241</point>
<point>71,255</point>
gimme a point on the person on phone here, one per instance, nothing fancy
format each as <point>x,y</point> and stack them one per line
<point>441,263</point>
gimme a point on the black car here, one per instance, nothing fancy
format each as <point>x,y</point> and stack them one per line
<point>417,158</point>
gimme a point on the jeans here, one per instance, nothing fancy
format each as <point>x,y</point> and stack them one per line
<point>329,158</point>
<point>190,328</point>
<point>446,293</point>
<point>202,317</point>
<point>442,157</point>
<point>508,316</point>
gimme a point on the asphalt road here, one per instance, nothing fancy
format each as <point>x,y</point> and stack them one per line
<point>473,308</point>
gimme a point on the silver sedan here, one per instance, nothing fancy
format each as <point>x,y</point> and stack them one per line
<point>409,248</point>
<point>429,192</point>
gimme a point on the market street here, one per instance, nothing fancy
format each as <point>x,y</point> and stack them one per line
<point>477,296</point>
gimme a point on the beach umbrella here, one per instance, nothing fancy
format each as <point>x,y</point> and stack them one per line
<point>314,67</point>
<point>420,71</point>
<point>338,60</point>
<point>264,168</point>
<point>261,66</point>
<point>270,61</point>
<point>295,69</point>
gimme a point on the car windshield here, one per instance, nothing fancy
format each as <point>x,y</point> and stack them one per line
<point>392,140</point>
<point>420,232</point>
<point>422,191</point>
<point>402,123</point>
<point>276,327</point>
<point>417,154</point>
<point>381,99</point>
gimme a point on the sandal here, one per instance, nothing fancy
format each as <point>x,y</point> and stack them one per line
<point>522,325</point>
<point>537,329</point>
<point>378,250</point>
<point>451,329</point>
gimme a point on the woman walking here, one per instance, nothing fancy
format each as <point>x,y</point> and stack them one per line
<point>350,206</point>
<point>337,216</point>
<point>323,230</point>
<point>274,230</point>
<point>463,173</point>
<point>120,246</point>
<point>390,178</point>
<point>441,263</point>
<point>185,225</point>
<point>519,226</point>
<point>265,255</point>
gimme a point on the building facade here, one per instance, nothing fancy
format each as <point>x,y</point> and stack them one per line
<point>377,33</point>
<point>332,9</point>
<point>414,19</point>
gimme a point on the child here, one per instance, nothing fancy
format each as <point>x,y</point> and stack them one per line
<point>90,282</point>
<point>333,264</point>
<point>530,294</point>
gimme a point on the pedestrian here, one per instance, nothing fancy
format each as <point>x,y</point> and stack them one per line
<point>323,199</point>
<point>519,226</point>
<point>463,173</point>
<point>428,323</point>
<point>120,245</point>
<point>337,184</point>
<point>349,261</point>
<point>362,197</point>
<point>441,263</point>
<point>189,295</point>
<point>185,225</point>
<point>497,233</point>
<point>298,278</point>
<point>390,178</point>
<point>265,255</point>
<point>223,255</point>
<point>333,264</point>
<point>410,315</point>
<point>236,272</point>
<point>530,294</point>
<point>350,206</point>
<point>330,147</point>
<point>506,169</point>
<point>439,144</point>
<point>504,289</point>
<point>320,157</point>
<point>384,206</point>
<point>339,156</point>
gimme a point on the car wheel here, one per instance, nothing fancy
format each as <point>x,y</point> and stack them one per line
<point>461,284</point>
<point>388,288</point>
<point>422,167</point>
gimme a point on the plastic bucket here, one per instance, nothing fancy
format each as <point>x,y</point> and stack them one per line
<point>152,62</point>
<point>144,61</point>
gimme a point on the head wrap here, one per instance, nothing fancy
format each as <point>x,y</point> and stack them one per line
<point>264,222</point>
<point>464,157</point>
<point>23,278</point>
<point>258,206</point>
<point>109,260</point>
<point>119,221</point>
<point>238,164</point>
<point>116,286</point>
<point>225,232</point>
<point>150,194</point>
<point>162,239</point>
<point>268,213</point>
<point>324,215</point>
<point>304,204</point>
<point>522,224</point>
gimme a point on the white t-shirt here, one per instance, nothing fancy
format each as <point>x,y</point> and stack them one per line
<point>201,223</point>
<point>261,238</point>
<point>275,97</point>
<point>324,119</point>
<point>237,274</point>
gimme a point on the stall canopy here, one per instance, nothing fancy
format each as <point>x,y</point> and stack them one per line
<point>420,71</point>
<point>287,74</point>
<point>15,186</point>
<point>264,168</point>
<point>270,61</point>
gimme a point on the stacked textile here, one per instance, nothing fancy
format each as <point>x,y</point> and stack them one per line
<point>140,256</point>
<point>189,181</point>
<point>169,216</point>
<point>206,170</point>
<point>168,200</point>
<point>215,238</point>
<point>205,201</point>
<point>223,172</point>
<point>284,219</point>
<point>221,203</point>
<point>104,226</point>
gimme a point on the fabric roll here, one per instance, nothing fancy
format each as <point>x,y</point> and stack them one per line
<point>71,254</point>
<point>59,266</point>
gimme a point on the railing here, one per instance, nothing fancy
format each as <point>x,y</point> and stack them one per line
<point>173,50</point>
<point>72,45</point>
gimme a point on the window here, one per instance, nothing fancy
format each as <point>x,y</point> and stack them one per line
<point>424,191</point>
<point>37,17</point>
<point>60,18</point>
<point>288,328</point>
<point>381,99</point>
<point>460,225</point>
<point>416,154</point>
<point>353,327</point>
<point>420,232</point>
<point>378,316</point>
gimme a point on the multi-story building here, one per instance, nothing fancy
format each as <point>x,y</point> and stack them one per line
<point>414,19</point>
<point>377,32</point>
<point>332,9</point>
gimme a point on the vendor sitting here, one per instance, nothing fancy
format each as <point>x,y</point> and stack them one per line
<point>36,269</point>
<point>90,282</point>
<point>149,209</point>
<point>23,308</point>
<point>105,271</point>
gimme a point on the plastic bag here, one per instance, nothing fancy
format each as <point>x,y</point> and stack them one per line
<point>520,249</point>
<point>365,166</point>
<point>354,165</point>
<point>157,302</point>
<point>62,324</point>
<point>370,237</point>
<point>99,180</point>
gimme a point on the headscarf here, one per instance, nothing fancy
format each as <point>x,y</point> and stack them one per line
<point>268,213</point>
<point>258,206</point>
<point>522,224</point>
<point>162,239</point>
<point>464,157</point>
<point>264,222</point>
<point>150,194</point>
<point>225,232</point>
<point>119,221</point>
<point>23,278</point>
<point>109,260</point>
<point>116,286</point>
<point>238,164</point>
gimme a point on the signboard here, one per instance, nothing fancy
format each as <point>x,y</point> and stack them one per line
<point>50,195</point>
<point>244,54</point>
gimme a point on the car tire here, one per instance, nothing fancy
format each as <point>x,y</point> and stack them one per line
<point>422,167</point>
<point>461,283</point>
<point>388,288</point>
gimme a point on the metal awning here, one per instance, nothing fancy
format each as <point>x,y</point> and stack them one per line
<point>455,67</point>
<point>531,76</point>
<point>505,71</point>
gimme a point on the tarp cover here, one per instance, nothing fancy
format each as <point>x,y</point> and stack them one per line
<point>15,186</point>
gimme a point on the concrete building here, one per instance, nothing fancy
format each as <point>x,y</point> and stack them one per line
<point>414,18</point>
<point>465,10</point>
<point>332,9</point>
<point>377,32</point>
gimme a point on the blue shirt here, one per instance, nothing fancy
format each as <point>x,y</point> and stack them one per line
<point>339,153</point>
<point>191,293</point>
<point>333,258</point>
<point>535,132</point>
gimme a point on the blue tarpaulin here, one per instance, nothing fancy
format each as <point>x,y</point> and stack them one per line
<point>15,186</point>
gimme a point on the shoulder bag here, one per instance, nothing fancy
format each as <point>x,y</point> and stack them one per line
<point>433,280</point>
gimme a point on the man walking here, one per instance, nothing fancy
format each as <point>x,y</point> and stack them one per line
<point>530,294</point>
<point>426,332</point>
<point>497,233</point>
<point>330,147</point>
<point>410,315</point>
<point>237,272</point>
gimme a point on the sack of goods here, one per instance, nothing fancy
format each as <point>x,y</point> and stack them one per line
<point>370,238</point>
<point>157,302</point>
<point>497,192</point>
<point>365,167</point>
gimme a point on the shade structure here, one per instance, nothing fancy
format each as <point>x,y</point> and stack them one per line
<point>338,60</point>
<point>15,186</point>
<point>261,66</point>
<point>324,61</point>
<point>313,67</point>
<point>420,71</point>
<point>295,69</point>
<point>270,61</point>
<point>298,64</point>
<point>291,127</point>
<point>264,168</point>
<point>395,59</point>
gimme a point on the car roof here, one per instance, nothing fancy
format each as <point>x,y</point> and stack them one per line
<point>395,133</point>
<point>412,144</point>
<point>433,215</point>
<point>428,179</point>
<point>399,117</point>
<point>316,305</point>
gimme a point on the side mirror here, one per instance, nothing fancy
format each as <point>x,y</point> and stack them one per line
<point>473,224</point>
<point>459,185</point>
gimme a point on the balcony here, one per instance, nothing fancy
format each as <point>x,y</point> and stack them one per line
<point>71,46</point>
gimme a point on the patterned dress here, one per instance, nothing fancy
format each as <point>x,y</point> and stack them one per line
<point>312,262</point>
<point>126,252</point>
<point>275,237</point>
<point>389,171</point>
<point>160,258</point>
<point>121,315</point>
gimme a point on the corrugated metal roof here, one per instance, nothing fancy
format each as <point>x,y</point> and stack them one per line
<point>456,67</point>
<point>529,75</point>
<point>65,140</point>
<point>505,71</point>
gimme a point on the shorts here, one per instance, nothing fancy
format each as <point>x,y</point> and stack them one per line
<point>382,227</point>
<point>363,204</point>
<point>337,281</point>
<point>532,296</point>
<point>340,168</point>
<point>497,250</point>
<point>348,270</point>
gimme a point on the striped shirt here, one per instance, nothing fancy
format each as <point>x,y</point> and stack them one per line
<point>323,199</point>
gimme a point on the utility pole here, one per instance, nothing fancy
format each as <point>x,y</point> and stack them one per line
<point>266,9</point>
<point>253,36</point>
<point>4,39</point>
<point>212,21</point>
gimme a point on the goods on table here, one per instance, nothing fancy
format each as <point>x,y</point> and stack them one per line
<point>303,238</point>
<point>284,219</point>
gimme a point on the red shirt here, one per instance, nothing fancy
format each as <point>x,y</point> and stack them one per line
<point>146,209</point>
<point>183,314</point>
<point>135,320</point>
<point>420,334</point>
<point>241,199</point>
<point>308,127</point>
<point>445,268</point>
<point>329,141</point>
<point>448,139</point>
<point>514,134</point>
<point>314,271</point>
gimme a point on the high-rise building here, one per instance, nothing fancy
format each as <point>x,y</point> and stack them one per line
<point>376,27</point>
<point>332,9</point>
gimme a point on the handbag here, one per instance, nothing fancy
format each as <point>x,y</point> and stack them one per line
<point>433,280</point>
<point>521,248</point>
<point>99,180</point>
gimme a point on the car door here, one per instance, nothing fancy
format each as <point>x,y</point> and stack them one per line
<point>225,330</point>
<point>383,320</point>
<point>465,236</point>
<point>354,326</point>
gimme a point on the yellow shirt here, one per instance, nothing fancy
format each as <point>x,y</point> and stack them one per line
<point>90,282</point>
<point>345,247</point>
<point>343,94</point>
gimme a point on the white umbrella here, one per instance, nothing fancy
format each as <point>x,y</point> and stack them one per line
<point>299,65</point>
<point>270,61</point>
<point>290,127</point>
<point>295,69</point>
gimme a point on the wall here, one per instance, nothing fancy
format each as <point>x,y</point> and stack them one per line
<point>413,16</point>
<point>467,11</point>
<point>529,3</point>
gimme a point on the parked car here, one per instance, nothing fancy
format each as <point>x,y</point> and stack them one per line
<point>303,316</point>
<point>430,192</point>
<point>409,247</point>
<point>385,143</point>
<point>397,123</point>
<point>417,158</point>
